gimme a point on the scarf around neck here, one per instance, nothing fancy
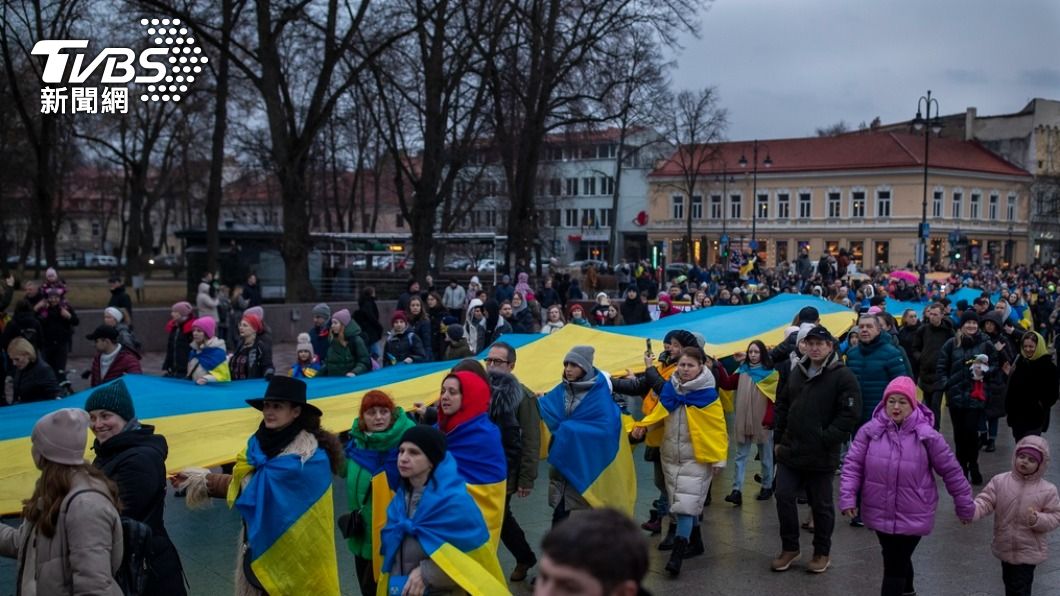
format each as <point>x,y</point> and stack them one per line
<point>273,442</point>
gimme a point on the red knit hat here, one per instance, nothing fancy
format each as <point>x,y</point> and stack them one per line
<point>399,315</point>
<point>255,322</point>
<point>476,400</point>
<point>373,399</point>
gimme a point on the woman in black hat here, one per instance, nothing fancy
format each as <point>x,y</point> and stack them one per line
<point>288,463</point>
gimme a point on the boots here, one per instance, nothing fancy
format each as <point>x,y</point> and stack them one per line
<point>654,523</point>
<point>990,446</point>
<point>677,555</point>
<point>982,440</point>
<point>695,544</point>
<point>735,497</point>
<point>671,533</point>
<point>976,476</point>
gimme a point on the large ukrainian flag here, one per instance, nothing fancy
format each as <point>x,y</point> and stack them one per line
<point>287,508</point>
<point>476,446</point>
<point>451,531</point>
<point>589,447</point>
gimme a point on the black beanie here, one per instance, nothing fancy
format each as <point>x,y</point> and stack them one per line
<point>968,315</point>
<point>429,439</point>
<point>809,314</point>
<point>685,338</point>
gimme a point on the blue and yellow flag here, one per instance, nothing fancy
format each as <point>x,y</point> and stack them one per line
<point>706,421</point>
<point>290,520</point>
<point>765,379</point>
<point>214,361</point>
<point>449,528</point>
<point>589,447</point>
<point>476,446</point>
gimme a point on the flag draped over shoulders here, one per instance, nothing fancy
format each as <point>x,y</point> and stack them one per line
<point>589,447</point>
<point>706,420</point>
<point>449,528</point>
<point>765,379</point>
<point>479,454</point>
<point>287,509</point>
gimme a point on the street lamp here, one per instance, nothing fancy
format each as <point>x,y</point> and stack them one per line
<point>768,162</point>
<point>725,180</point>
<point>930,125</point>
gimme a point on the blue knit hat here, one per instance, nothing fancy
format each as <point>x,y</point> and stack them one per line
<point>113,397</point>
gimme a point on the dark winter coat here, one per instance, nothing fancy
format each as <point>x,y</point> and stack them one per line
<point>119,299</point>
<point>126,362</point>
<point>1032,391</point>
<point>26,326</point>
<point>815,415</point>
<point>634,311</point>
<point>352,357</point>
<point>954,376</point>
<point>400,347</point>
<point>506,395</point>
<point>178,348</point>
<point>485,339</point>
<point>927,345</point>
<point>907,338</point>
<point>36,382</point>
<point>422,329</point>
<point>522,320</point>
<point>875,364</point>
<point>320,338</point>
<point>135,460</point>
<point>58,331</point>
<point>258,361</point>
<point>546,297</point>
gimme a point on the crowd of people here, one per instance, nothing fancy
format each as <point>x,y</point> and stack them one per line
<point>865,407</point>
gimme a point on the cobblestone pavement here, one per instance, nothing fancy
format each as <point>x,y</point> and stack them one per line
<point>954,561</point>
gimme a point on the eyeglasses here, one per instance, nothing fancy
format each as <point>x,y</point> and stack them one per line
<point>495,362</point>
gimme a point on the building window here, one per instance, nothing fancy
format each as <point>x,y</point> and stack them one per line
<point>555,187</point>
<point>96,228</point>
<point>883,203</point>
<point>883,252</point>
<point>994,201</point>
<point>783,206</point>
<point>697,206</point>
<point>589,186</point>
<point>956,209</point>
<point>834,202</point>
<point>857,203</point>
<point>974,206</point>
<point>607,185</point>
<point>857,250</point>
<point>805,205</point>
<point>588,218</point>
<point>715,206</point>
<point>572,187</point>
<point>735,206</point>
<point>678,207</point>
<point>1011,208</point>
<point>936,204</point>
<point>73,228</point>
<point>606,217</point>
<point>571,218</point>
<point>782,251</point>
<point>763,206</point>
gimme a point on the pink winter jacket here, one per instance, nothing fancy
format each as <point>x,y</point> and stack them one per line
<point>1011,496</point>
<point>891,466</point>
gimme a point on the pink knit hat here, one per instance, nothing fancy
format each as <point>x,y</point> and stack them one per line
<point>903,386</point>
<point>205,324</point>
<point>184,308</point>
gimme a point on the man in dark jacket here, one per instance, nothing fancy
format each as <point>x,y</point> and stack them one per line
<point>927,343</point>
<point>875,362</point>
<point>511,400</point>
<point>402,345</point>
<point>815,414</point>
<point>57,321</point>
<point>112,358</point>
<point>633,308</point>
<point>783,351</point>
<point>119,299</point>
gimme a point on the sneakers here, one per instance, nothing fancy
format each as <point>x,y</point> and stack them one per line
<point>765,494</point>
<point>519,573</point>
<point>735,497</point>
<point>855,522</point>
<point>784,560</point>
<point>818,564</point>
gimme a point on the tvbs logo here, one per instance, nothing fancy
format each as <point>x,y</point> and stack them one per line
<point>166,69</point>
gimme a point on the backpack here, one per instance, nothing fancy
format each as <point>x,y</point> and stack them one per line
<point>135,567</point>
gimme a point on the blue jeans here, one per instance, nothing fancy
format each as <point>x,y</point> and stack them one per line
<point>765,450</point>
<point>685,524</point>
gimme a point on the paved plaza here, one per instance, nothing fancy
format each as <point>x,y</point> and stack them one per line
<point>954,561</point>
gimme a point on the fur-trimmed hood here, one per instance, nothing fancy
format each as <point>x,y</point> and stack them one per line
<point>505,395</point>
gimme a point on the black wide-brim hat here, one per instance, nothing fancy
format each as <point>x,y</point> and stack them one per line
<point>286,389</point>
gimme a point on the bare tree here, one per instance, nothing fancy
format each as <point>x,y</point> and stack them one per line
<point>694,124</point>
<point>834,130</point>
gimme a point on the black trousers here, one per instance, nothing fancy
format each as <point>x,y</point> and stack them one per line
<point>966,435</point>
<point>1018,579</point>
<point>897,563</point>
<point>1019,432</point>
<point>818,487</point>
<point>513,537</point>
<point>365,576</point>
<point>56,356</point>
<point>933,400</point>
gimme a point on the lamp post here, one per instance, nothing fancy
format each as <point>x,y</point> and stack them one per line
<point>725,179</point>
<point>930,125</point>
<point>767,162</point>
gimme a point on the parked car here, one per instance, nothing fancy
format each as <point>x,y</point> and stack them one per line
<point>30,261</point>
<point>103,261</point>
<point>583,265</point>
<point>459,264</point>
<point>675,269</point>
<point>487,265</point>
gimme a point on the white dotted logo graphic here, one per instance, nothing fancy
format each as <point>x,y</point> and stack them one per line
<point>185,59</point>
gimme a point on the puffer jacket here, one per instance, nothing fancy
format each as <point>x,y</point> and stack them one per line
<point>36,382</point>
<point>875,364</point>
<point>893,467</point>
<point>687,478</point>
<point>353,357</point>
<point>1010,496</point>
<point>953,375</point>
<point>927,344</point>
<point>1032,390</point>
<point>506,395</point>
<point>399,347</point>
<point>127,361</point>
<point>84,553</point>
<point>814,415</point>
<point>204,303</point>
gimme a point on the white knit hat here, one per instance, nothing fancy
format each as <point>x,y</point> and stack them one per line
<point>304,343</point>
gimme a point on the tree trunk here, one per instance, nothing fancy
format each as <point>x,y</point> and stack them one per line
<point>296,240</point>
<point>214,191</point>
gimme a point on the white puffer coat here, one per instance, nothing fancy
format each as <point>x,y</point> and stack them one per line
<point>687,480</point>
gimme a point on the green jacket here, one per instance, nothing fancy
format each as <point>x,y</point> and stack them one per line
<point>359,480</point>
<point>530,420</point>
<point>353,357</point>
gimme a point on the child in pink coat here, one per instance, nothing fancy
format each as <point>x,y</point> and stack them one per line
<point>1027,507</point>
<point>892,464</point>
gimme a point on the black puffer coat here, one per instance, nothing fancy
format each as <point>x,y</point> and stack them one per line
<point>954,375</point>
<point>815,415</point>
<point>927,344</point>
<point>1032,392</point>
<point>505,396</point>
<point>36,382</point>
<point>136,461</point>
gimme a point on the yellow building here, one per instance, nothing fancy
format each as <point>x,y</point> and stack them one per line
<point>862,191</point>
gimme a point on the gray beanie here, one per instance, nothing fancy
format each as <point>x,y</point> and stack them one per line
<point>322,310</point>
<point>60,437</point>
<point>582,357</point>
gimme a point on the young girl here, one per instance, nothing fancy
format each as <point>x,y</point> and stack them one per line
<point>208,358</point>
<point>577,316</point>
<point>306,364</point>
<point>555,320</point>
<point>1027,507</point>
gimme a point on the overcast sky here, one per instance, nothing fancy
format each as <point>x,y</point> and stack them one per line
<point>785,67</point>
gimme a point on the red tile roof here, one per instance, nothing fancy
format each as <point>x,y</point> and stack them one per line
<point>855,151</point>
